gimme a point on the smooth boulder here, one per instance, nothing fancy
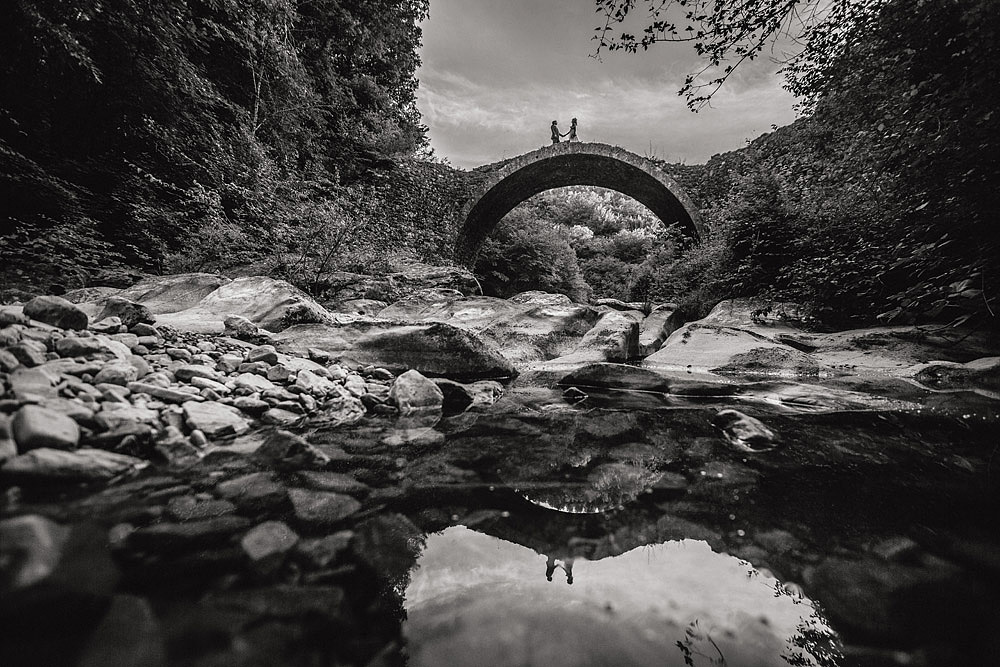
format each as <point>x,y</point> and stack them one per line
<point>527,327</point>
<point>413,392</point>
<point>268,303</point>
<point>432,349</point>
<point>734,339</point>
<point>57,312</point>
<point>130,312</point>
<point>170,294</point>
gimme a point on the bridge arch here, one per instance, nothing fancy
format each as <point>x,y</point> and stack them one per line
<point>509,183</point>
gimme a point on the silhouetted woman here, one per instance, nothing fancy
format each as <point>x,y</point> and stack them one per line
<point>572,131</point>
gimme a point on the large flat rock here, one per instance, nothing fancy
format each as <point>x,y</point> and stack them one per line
<point>173,293</point>
<point>436,349</point>
<point>738,337</point>
<point>270,304</point>
<point>534,327</point>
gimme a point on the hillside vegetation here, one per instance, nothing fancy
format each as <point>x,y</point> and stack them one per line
<point>205,134</point>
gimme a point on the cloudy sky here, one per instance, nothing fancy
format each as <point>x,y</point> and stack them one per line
<point>496,73</point>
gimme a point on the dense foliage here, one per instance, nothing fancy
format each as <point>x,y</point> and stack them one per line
<point>154,134</point>
<point>526,253</point>
<point>881,200</point>
<point>578,241</point>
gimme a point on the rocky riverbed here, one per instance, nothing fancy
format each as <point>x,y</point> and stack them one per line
<point>203,471</point>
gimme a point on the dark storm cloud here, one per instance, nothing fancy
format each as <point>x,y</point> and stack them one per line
<point>495,74</point>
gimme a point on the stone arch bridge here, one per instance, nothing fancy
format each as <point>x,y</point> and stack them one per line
<point>503,185</point>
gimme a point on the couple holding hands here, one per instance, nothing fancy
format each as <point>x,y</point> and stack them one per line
<point>556,135</point>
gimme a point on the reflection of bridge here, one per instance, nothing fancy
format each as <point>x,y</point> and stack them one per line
<point>510,182</point>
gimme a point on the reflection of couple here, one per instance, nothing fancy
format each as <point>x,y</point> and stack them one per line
<point>567,566</point>
<point>571,134</point>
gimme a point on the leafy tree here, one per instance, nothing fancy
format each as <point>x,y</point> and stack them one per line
<point>163,125</point>
<point>526,254</point>
<point>727,33</point>
<point>882,197</point>
<point>608,276</point>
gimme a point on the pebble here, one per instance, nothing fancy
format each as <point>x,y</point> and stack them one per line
<point>253,491</point>
<point>413,392</point>
<point>179,353</point>
<point>205,383</point>
<point>267,544</point>
<point>142,329</point>
<point>263,353</point>
<point>189,372</point>
<point>214,419</point>
<point>167,394</point>
<point>314,384</point>
<point>74,346</point>
<point>129,312</point>
<point>28,353</point>
<point>322,508</point>
<point>356,385</point>
<point>278,373</point>
<point>119,373</point>
<point>8,448</point>
<point>8,361</point>
<point>35,427</point>
<point>228,363</point>
<point>250,405</point>
<point>253,382</point>
<point>279,417</point>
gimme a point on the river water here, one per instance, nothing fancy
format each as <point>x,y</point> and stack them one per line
<point>558,527</point>
<point>624,528</point>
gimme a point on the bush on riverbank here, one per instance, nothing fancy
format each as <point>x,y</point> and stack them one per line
<point>144,137</point>
<point>880,204</point>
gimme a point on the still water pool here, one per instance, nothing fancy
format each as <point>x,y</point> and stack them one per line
<point>628,530</point>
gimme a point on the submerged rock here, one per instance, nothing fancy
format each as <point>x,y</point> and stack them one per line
<point>284,449</point>
<point>255,491</point>
<point>745,432</point>
<point>616,376</point>
<point>129,635</point>
<point>322,509</point>
<point>31,548</point>
<point>267,544</point>
<point>413,392</point>
<point>83,465</point>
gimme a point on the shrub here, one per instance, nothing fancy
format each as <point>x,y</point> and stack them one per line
<point>526,254</point>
